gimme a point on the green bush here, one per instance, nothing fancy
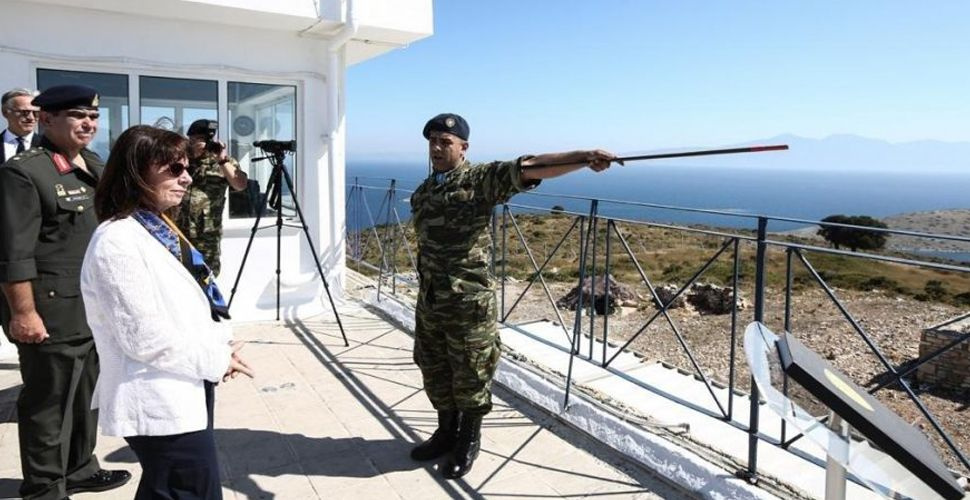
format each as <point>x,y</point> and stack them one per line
<point>935,290</point>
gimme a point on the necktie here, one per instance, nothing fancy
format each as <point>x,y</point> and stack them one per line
<point>20,145</point>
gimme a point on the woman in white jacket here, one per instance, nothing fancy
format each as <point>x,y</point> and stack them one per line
<point>158,320</point>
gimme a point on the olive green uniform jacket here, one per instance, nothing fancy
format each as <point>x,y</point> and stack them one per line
<point>46,220</point>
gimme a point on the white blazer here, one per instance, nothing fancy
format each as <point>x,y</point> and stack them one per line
<point>154,334</point>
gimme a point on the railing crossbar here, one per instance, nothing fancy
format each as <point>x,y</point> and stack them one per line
<point>885,362</point>
<point>538,273</point>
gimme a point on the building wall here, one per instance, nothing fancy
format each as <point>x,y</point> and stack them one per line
<point>124,43</point>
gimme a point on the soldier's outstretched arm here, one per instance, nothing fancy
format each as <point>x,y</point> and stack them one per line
<point>549,165</point>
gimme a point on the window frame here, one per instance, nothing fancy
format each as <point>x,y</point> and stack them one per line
<point>222,77</point>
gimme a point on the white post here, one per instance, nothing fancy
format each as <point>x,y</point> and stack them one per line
<point>838,453</point>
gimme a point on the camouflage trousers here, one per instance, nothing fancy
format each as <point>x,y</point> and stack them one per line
<point>208,244</point>
<point>457,348</point>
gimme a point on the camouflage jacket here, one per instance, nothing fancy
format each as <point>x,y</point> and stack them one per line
<point>201,209</point>
<point>452,218</point>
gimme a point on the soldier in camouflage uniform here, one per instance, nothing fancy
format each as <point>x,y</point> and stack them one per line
<point>213,170</point>
<point>456,342</point>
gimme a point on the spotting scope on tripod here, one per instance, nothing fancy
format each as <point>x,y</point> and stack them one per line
<point>275,152</point>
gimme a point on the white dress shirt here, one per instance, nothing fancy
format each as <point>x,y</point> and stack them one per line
<point>154,333</point>
<point>10,143</point>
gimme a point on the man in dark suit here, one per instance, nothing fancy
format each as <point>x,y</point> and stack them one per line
<point>46,220</point>
<point>20,134</point>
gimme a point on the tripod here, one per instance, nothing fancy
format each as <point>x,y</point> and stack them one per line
<point>273,198</point>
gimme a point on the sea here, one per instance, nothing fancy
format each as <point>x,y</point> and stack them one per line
<point>713,196</point>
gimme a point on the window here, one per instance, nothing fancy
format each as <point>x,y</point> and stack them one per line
<point>256,112</point>
<point>174,103</point>
<point>113,92</point>
<point>259,112</point>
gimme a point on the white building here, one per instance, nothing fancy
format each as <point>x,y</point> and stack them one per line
<point>265,70</point>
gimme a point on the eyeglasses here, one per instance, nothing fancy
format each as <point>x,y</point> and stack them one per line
<point>78,114</point>
<point>25,113</point>
<point>176,169</point>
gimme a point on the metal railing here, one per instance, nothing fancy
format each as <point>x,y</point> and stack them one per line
<point>383,243</point>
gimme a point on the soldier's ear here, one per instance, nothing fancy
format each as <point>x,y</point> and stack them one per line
<point>45,118</point>
<point>464,146</point>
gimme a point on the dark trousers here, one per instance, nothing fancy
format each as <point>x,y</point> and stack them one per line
<point>55,423</point>
<point>181,466</point>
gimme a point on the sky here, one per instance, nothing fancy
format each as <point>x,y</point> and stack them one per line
<point>534,76</point>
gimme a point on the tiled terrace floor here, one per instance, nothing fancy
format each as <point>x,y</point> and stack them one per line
<point>321,420</point>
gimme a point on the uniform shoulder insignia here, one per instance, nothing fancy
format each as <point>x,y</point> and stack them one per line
<point>25,156</point>
<point>30,153</point>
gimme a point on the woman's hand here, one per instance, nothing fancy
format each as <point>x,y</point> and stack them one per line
<point>236,363</point>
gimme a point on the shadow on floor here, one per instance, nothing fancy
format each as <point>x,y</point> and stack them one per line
<point>8,405</point>
<point>245,453</point>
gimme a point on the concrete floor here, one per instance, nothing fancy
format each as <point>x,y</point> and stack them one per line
<point>321,420</point>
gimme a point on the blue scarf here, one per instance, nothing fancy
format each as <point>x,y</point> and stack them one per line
<point>175,243</point>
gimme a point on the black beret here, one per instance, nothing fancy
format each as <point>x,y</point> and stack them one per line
<point>447,122</point>
<point>203,127</point>
<point>60,97</point>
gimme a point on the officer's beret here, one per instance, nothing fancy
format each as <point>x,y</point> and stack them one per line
<point>447,122</point>
<point>60,97</point>
<point>203,127</point>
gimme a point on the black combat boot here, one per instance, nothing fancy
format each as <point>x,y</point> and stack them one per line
<point>443,439</point>
<point>466,449</point>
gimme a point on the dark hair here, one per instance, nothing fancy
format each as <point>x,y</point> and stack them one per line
<point>122,188</point>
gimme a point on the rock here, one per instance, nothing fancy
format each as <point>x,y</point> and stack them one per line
<point>610,294</point>
<point>713,299</point>
<point>666,293</point>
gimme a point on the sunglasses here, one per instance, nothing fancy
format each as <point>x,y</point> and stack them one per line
<point>176,169</point>
<point>25,113</point>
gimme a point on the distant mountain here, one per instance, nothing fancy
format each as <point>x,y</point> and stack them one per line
<point>847,152</point>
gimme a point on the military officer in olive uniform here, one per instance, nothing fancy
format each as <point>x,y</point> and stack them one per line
<point>46,220</point>
<point>456,341</point>
<point>213,170</point>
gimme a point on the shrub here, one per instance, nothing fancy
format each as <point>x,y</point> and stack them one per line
<point>935,290</point>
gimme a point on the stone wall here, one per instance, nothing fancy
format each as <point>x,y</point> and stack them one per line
<point>950,370</point>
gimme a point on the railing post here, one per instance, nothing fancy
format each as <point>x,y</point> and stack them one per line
<point>593,214</point>
<point>505,256</point>
<point>751,473</point>
<point>355,197</point>
<point>391,228</point>
<point>574,342</point>
<point>491,265</point>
